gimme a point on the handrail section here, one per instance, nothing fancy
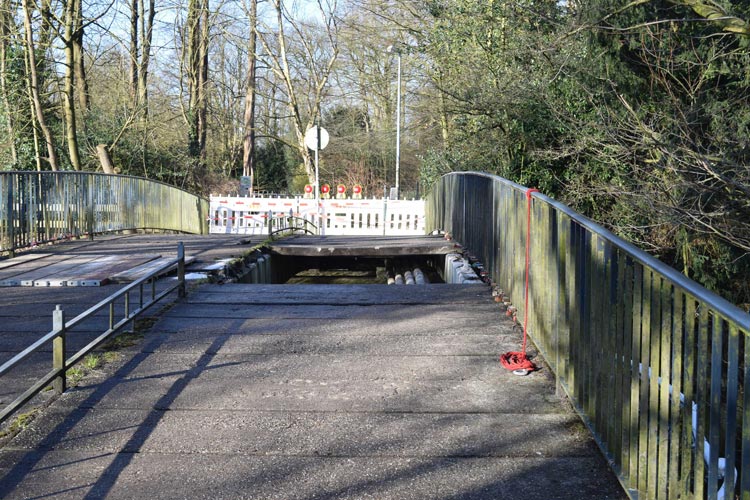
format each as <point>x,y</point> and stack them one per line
<point>286,225</point>
<point>39,207</point>
<point>657,366</point>
<point>60,364</point>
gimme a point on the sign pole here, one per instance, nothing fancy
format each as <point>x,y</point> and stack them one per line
<point>316,138</point>
<point>321,225</point>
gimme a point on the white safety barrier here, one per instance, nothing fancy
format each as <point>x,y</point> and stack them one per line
<point>245,215</point>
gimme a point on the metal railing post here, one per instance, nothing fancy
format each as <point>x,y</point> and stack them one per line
<point>11,218</point>
<point>182,290</point>
<point>58,350</point>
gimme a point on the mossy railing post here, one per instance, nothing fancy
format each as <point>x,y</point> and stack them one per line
<point>58,350</point>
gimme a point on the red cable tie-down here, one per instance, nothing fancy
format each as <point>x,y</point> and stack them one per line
<point>518,362</point>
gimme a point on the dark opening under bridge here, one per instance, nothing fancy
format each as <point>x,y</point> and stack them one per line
<point>655,365</point>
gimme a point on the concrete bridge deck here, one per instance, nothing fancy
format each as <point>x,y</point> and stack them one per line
<point>302,392</point>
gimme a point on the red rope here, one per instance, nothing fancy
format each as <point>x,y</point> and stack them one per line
<point>518,362</point>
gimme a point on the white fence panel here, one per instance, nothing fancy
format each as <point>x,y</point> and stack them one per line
<point>244,215</point>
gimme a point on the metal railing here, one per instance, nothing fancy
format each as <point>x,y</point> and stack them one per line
<point>287,225</point>
<point>57,376</point>
<point>656,365</point>
<point>38,207</point>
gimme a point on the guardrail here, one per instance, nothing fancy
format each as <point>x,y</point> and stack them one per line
<point>656,365</point>
<point>249,215</point>
<point>60,364</point>
<point>38,207</point>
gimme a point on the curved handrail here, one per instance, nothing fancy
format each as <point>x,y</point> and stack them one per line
<point>718,303</point>
<point>39,207</point>
<point>634,343</point>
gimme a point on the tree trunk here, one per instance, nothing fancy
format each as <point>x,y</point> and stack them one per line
<point>197,76</point>
<point>147,29</point>
<point>248,160</point>
<point>68,103</point>
<point>106,161</point>
<point>82,84</point>
<point>34,87</point>
<point>203,83</point>
<point>192,70</point>
<point>32,115</point>
<point>6,21</point>
<point>133,51</point>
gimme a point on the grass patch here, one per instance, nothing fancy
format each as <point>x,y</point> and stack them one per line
<point>110,356</point>
<point>74,375</point>
<point>92,361</point>
<point>18,424</point>
<point>123,340</point>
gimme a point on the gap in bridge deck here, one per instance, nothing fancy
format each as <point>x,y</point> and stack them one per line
<point>350,270</point>
<point>356,260</point>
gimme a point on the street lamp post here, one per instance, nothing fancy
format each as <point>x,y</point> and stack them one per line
<point>391,48</point>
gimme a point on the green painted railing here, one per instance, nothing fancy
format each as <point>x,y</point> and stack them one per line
<point>656,365</point>
<point>38,207</point>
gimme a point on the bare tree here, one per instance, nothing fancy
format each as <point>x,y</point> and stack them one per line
<point>7,28</point>
<point>34,86</point>
<point>248,157</point>
<point>196,71</point>
<point>146,35</point>
<point>304,75</point>
<point>68,105</point>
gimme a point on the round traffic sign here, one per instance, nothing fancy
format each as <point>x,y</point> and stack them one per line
<point>311,137</point>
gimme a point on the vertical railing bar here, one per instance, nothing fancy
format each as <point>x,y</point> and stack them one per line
<point>733,375</point>
<point>653,369</point>
<point>689,376</point>
<point>627,362</point>
<point>566,298</point>
<point>575,316</point>
<point>111,315</point>
<point>665,375</point>
<point>590,343</point>
<point>700,398</point>
<point>643,423</point>
<point>676,447</point>
<point>182,290</point>
<point>745,457</point>
<point>582,374</point>
<point>635,376</point>
<point>600,337</point>
<point>613,402</point>
<point>714,408</point>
